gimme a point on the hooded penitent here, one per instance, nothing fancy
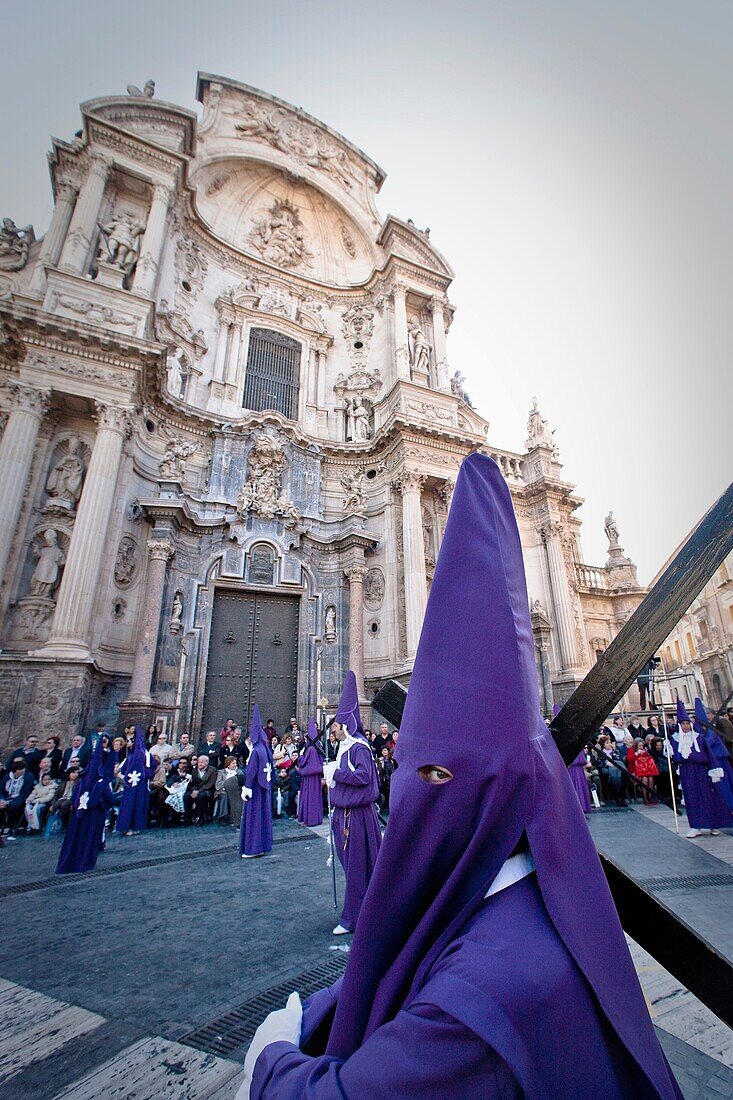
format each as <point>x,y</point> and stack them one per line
<point>445,844</point>
<point>255,834</point>
<point>92,798</point>
<point>310,766</point>
<point>704,803</point>
<point>704,726</point>
<point>137,769</point>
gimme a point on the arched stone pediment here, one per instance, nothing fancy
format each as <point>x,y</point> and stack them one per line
<point>283,221</point>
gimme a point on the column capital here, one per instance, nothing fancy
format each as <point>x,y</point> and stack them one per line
<point>98,163</point>
<point>553,529</point>
<point>113,417</point>
<point>399,290</point>
<point>164,193</point>
<point>356,574</point>
<point>28,399</point>
<point>67,188</point>
<point>446,490</point>
<point>160,549</point>
<point>409,481</point>
<point>437,304</point>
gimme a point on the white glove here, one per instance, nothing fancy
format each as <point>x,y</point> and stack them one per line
<point>328,772</point>
<point>246,794</point>
<point>716,774</point>
<point>282,1026</point>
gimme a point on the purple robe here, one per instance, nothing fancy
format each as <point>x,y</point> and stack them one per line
<point>719,750</point>
<point>704,803</point>
<point>356,831</point>
<point>310,766</point>
<point>83,839</point>
<point>580,781</point>
<point>255,832</point>
<point>136,771</point>
<point>532,992</point>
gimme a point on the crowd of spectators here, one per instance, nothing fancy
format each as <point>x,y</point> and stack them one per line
<point>190,784</point>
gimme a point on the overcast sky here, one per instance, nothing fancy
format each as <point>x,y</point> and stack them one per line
<point>572,158</point>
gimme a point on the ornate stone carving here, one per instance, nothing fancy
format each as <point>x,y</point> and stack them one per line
<point>262,493</point>
<point>173,463</point>
<point>119,609</point>
<point>430,411</point>
<point>190,265</point>
<point>275,299</point>
<point>113,418</point>
<point>359,381</point>
<point>612,533</point>
<point>356,573</point>
<point>95,313</point>
<point>355,501</point>
<point>347,241</point>
<point>160,549</point>
<point>126,563</point>
<point>456,387</point>
<point>261,564</point>
<point>357,325</point>
<point>299,139</point>
<point>15,245</point>
<point>540,617</point>
<point>148,90</point>
<point>34,613</point>
<point>65,479</point>
<point>277,237</point>
<point>419,349</point>
<point>358,420</point>
<point>51,558</point>
<point>329,624</point>
<point>409,481</point>
<point>119,241</point>
<point>538,430</point>
<point>29,399</point>
<point>374,587</point>
<point>13,349</point>
<point>176,625</point>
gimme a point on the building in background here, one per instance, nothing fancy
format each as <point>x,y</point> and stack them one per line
<point>232,431</point>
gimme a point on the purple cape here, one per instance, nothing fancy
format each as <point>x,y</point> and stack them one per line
<point>310,766</point>
<point>720,752</point>
<point>579,780</point>
<point>137,769</point>
<point>255,832</point>
<point>92,798</point>
<point>533,991</point>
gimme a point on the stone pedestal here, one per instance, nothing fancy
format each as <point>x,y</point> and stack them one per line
<point>160,550</point>
<point>109,275</point>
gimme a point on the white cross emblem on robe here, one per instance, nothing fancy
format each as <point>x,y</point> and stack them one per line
<point>84,801</point>
<point>268,771</point>
<point>134,778</point>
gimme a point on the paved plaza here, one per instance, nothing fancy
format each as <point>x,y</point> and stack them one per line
<point>148,977</point>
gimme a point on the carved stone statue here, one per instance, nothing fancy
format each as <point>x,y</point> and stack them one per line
<point>119,241</point>
<point>176,624</point>
<point>355,500</point>
<point>148,90</point>
<point>456,386</point>
<point>173,464</point>
<point>358,429</point>
<point>262,493</point>
<point>177,371</point>
<point>126,563</point>
<point>374,587</point>
<point>419,349</point>
<point>14,245</point>
<point>278,237</point>
<point>538,430</point>
<point>330,624</point>
<point>65,479</point>
<point>612,533</point>
<point>51,557</point>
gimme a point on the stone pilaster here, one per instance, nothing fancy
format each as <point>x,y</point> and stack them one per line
<point>83,226</point>
<point>69,637</point>
<point>439,345</point>
<point>235,350</point>
<point>17,447</point>
<point>146,273</point>
<point>222,346</point>
<point>355,576</point>
<point>401,344</point>
<point>52,243</point>
<point>562,603</point>
<point>410,485</point>
<point>161,551</point>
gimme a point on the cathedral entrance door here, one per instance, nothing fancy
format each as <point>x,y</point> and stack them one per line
<point>253,658</point>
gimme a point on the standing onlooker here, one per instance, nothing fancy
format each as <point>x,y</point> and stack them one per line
<point>210,748</point>
<point>53,754</point>
<point>386,767</point>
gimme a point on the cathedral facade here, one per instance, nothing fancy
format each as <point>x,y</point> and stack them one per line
<point>231,432</point>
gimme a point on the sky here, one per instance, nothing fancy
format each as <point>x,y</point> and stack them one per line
<point>572,158</point>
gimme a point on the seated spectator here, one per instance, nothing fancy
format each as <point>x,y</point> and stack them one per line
<point>210,747</point>
<point>151,734</point>
<point>161,749</point>
<point>77,755</point>
<point>16,785</point>
<point>226,729</point>
<point>53,754</point>
<point>635,727</point>
<point>200,792</point>
<point>119,749</point>
<point>30,752</point>
<point>62,804</point>
<point>38,802</point>
<point>294,731</point>
<point>289,747</point>
<point>175,802</point>
<point>229,748</point>
<point>618,729</point>
<point>159,792</point>
<point>185,748</point>
<point>611,776</point>
<point>274,743</point>
<point>280,792</point>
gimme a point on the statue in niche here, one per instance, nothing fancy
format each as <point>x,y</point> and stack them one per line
<point>612,533</point>
<point>262,493</point>
<point>126,562</point>
<point>427,536</point>
<point>119,241</point>
<point>15,244</point>
<point>419,348</point>
<point>51,557</point>
<point>357,420</point>
<point>330,624</point>
<point>173,464</point>
<point>65,479</point>
<point>177,366</point>
<point>176,624</point>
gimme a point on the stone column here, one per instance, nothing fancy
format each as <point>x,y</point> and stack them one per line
<point>441,355</point>
<point>222,344</point>
<point>17,448</point>
<point>401,340</point>
<point>75,254</point>
<point>321,360</point>
<point>235,348</point>
<point>69,635</point>
<point>355,576</point>
<point>52,243</point>
<point>410,485</point>
<point>152,243</point>
<point>564,620</point>
<point>160,550</point>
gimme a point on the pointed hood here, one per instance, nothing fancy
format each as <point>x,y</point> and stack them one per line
<point>313,735</point>
<point>101,766</point>
<point>140,756</point>
<point>348,708</point>
<point>701,723</point>
<point>449,840</point>
<point>256,732</point>
<point>682,715</point>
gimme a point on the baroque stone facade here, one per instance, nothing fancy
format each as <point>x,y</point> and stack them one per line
<point>223,375</point>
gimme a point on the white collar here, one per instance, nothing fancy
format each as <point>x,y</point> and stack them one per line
<point>516,867</point>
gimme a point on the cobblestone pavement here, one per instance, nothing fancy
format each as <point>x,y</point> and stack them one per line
<point>107,986</point>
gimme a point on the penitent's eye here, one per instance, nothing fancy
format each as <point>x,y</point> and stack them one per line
<point>432,773</point>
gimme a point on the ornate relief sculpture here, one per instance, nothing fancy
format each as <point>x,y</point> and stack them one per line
<point>277,237</point>
<point>15,244</point>
<point>126,562</point>
<point>119,241</point>
<point>51,558</point>
<point>173,464</point>
<point>355,501</point>
<point>65,479</point>
<point>148,90</point>
<point>374,587</point>
<point>305,143</point>
<point>262,493</point>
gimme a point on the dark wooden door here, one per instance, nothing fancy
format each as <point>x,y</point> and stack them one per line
<point>253,658</point>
